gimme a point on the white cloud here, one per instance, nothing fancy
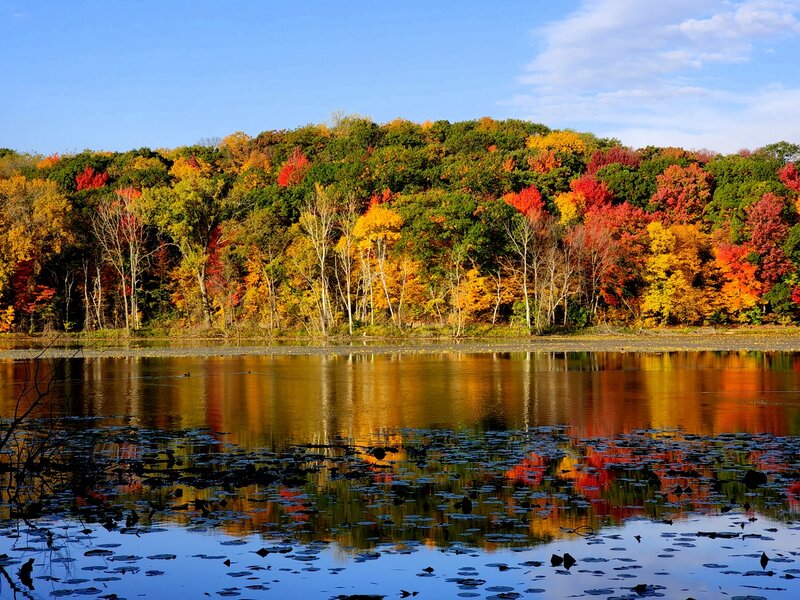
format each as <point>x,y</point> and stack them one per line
<point>649,71</point>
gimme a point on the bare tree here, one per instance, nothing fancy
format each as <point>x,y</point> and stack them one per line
<point>122,236</point>
<point>522,236</point>
<point>317,220</point>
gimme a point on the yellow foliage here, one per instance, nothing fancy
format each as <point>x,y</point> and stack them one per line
<point>237,143</point>
<point>477,294</point>
<point>256,292</point>
<point>142,163</point>
<point>679,283</point>
<point>34,224</point>
<point>238,147</point>
<point>560,142</point>
<point>34,219</point>
<point>250,180</point>
<point>486,124</point>
<point>256,160</point>
<point>48,161</point>
<point>399,124</point>
<point>187,168</point>
<point>662,240</point>
<point>7,319</point>
<point>380,224</point>
<point>401,276</point>
<point>570,205</point>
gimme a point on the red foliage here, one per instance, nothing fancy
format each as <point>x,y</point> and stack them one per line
<point>619,230</point>
<point>683,192</point>
<point>734,258</point>
<point>89,179</point>
<point>383,198</point>
<point>218,276</point>
<point>595,193</point>
<point>128,193</point>
<point>768,231</point>
<point>544,162</point>
<point>790,177</point>
<point>294,170</point>
<point>49,161</point>
<point>215,270</point>
<point>29,296</point>
<point>528,202</point>
<point>612,156</point>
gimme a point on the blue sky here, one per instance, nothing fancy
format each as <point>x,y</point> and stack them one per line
<point>718,74</point>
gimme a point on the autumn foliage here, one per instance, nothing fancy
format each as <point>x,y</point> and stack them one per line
<point>612,156</point>
<point>294,170</point>
<point>397,226</point>
<point>89,179</point>
<point>682,192</point>
<point>790,177</point>
<point>527,201</point>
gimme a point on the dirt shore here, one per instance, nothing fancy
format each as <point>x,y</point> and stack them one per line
<point>775,339</point>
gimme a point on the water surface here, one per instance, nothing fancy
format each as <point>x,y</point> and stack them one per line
<point>481,463</point>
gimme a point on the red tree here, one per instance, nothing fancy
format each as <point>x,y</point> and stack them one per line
<point>595,193</point>
<point>616,155</point>
<point>89,179</point>
<point>528,202</point>
<point>682,192</point>
<point>294,170</point>
<point>768,232</point>
<point>790,177</point>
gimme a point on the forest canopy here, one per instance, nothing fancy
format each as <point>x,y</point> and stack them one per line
<point>343,228</point>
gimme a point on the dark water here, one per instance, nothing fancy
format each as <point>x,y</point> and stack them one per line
<point>355,473</point>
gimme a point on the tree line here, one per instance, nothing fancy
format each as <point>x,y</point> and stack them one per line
<point>358,227</point>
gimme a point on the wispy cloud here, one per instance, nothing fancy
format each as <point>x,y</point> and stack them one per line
<point>675,73</point>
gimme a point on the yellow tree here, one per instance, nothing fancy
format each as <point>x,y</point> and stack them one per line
<point>376,232</point>
<point>559,142</point>
<point>681,279</point>
<point>34,219</point>
<point>472,296</point>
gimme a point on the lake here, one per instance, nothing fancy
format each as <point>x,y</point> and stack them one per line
<point>462,474</point>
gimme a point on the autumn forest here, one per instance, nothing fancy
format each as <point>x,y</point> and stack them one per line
<point>358,227</point>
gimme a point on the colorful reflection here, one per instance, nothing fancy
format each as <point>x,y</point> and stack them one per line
<point>267,401</point>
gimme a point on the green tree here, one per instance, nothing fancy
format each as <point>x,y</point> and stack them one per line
<point>190,214</point>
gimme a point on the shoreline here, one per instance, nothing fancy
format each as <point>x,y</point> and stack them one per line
<point>767,340</point>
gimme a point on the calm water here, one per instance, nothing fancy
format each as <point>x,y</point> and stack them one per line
<point>272,400</point>
<point>479,466</point>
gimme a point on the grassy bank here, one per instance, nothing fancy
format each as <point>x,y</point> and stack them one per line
<point>210,343</point>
